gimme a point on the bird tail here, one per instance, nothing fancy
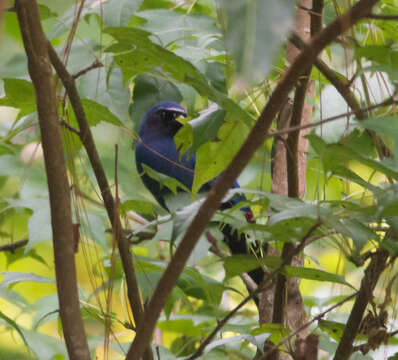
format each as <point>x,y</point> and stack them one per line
<point>237,243</point>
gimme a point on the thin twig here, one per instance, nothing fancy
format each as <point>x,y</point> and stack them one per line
<point>316,318</point>
<point>382,17</point>
<point>96,64</point>
<point>365,294</point>
<point>70,128</point>
<point>265,285</point>
<point>388,102</point>
<point>13,246</point>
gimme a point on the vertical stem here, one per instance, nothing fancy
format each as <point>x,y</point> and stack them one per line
<point>40,71</point>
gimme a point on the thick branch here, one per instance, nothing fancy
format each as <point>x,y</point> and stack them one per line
<point>295,164</point>
<point>88,143</point>
<point>252,143</point>
<point>341,86</point>
<point>40,71</point>
<point>372,273</point>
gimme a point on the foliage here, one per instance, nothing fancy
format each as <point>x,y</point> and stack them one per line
<point>200,53</point>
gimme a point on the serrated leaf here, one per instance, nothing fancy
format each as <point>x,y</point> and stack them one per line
<point>175,27</point>
<point>171,183</point>
<point>135,53</point>
<point>118,12</point>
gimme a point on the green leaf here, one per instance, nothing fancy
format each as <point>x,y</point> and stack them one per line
<point>182,326</point>
<point>171,183</point>
<point>14,325</point>
<point>135,53</point>
<point>384,125</point>
<point>255,30</point>
<point>45,12</point>
<point>337,155</point>
<point>6,149</point>
<point>237,264</point>
<point>354,229</point>
<point>205,127</point>
<point>45,347</point>
<point>194,284</point>
<point>313,274</point>
<point>139,206</point>
<point>302,210</point>
<point>277,332</point>
<point>96,113</point>
<point>19,94</point>
<point>333,328</point>
<point>378,53</point>
<point>118,12</point>
<point>350,175</point>
<point>213,157</point>
<point>172,27</point>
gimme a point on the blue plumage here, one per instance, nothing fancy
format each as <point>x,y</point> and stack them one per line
<point>157,150</point>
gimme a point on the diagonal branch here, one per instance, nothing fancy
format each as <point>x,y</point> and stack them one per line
<point>343,87</point>
<point>376,266</point>
<point>252,143</point>
<point>40,71</point>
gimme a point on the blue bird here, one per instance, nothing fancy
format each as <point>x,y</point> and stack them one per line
<point>157,150</point>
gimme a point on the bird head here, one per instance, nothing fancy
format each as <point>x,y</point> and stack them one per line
<point>161,120</point>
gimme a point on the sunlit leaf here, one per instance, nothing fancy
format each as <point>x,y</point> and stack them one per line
<point>10,278</point>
